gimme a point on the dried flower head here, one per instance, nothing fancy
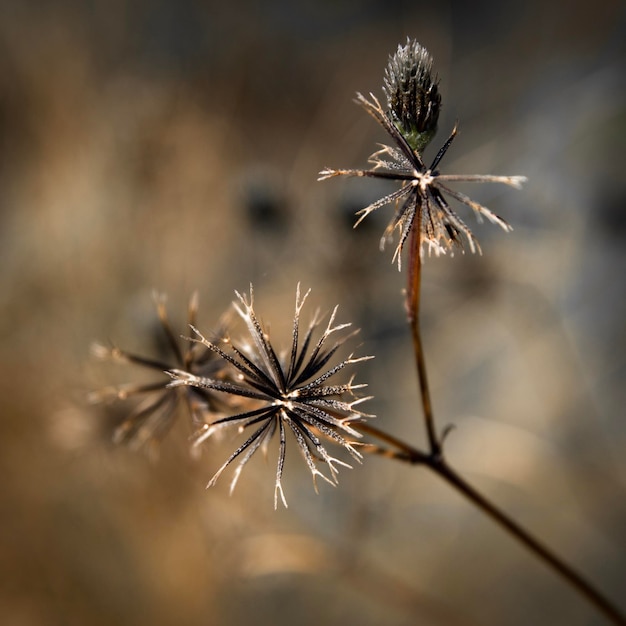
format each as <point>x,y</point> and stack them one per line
<point>420,202</point>
<point>291,393</point>
<point>154,415</point>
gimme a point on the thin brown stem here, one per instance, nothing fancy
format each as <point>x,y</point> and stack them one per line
<point>405,452</point>
<point>540,550</point>
<point>412,308</point>
<point>372,448</point>
<point>435,460</point>
<point>440,467</point>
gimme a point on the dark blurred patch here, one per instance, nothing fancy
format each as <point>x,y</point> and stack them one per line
<point>351,197</point>
<point>609,213</point>
<point>265,205</point>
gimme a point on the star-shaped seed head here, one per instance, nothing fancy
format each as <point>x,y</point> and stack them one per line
<point>289,392</point>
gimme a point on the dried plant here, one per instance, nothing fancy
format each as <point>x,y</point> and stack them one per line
<point>411,122</point>
<point>270,392</point>
<point>289,391</point>
<point>423,214</point>
<point>158,405</point>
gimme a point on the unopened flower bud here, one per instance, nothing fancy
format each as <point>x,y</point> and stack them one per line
<point>412,95</point>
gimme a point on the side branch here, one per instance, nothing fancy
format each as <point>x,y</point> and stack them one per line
<point>403,452</point>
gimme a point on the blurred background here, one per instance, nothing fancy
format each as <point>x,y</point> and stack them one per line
<point>175,145</point>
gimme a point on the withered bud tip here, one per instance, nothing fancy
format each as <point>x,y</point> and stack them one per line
<point>413,98</point>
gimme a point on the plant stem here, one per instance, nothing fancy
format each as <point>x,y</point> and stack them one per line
<point>435,461</point>
<point>405,452</point>
<point>440,467</point>
<point>412,309</point>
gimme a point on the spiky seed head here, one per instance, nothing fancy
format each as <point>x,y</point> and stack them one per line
<point>411,121</point>
<point>413,98</point>
<point>290,393</point>
<point>155,406</point>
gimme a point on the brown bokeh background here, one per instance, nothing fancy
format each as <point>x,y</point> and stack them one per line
<point>175,145</point>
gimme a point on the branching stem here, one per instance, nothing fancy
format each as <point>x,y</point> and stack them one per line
<point>439,466</point>
<point>540,550</point>
<point>434,458</point>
